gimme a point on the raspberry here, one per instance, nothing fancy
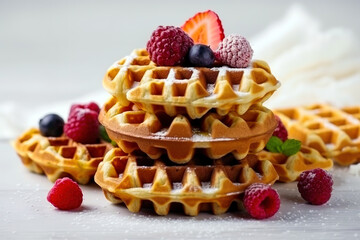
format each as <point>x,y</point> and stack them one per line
<point>234,51</point>
<point>91,105</point>
<point>280,130</point>
<point>82,125</point>
<point>261,201</point>
<point>65,194</point>
<point>168,46</point>
<point>315,186</point>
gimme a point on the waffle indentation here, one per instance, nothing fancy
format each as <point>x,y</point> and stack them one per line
<point>183,74</point>
<point>58,141</point>
<point>68,152</point>
<point>157,88</point>
<point>135,117</point>
<point>160,73</point>
<point>179,89</point>
<point>141,62</point>
<point>96,151</point>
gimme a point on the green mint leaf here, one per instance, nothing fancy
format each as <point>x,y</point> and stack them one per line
<point>114,143</point>
<point>290,147</point>
<point>103,134</point>
<point>274,145</point>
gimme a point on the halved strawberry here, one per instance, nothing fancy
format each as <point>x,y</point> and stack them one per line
<point>205,28</point>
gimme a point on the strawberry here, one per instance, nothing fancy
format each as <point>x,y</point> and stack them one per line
<point>205,28</point>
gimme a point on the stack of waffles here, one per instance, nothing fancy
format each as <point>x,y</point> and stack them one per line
<point>186,136</point>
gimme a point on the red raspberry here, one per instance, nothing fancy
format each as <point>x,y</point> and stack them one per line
<point>235,51</point>
<point>83,126</point>
<point>261,201</point>
<point>65,194</point>
<point>91,105</point>
<point>168,46</point>
<point>315,186</point>
<point>280,130</point>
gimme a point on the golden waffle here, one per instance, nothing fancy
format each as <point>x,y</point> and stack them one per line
<point>290,168</point>
<point>58,157</point>
<point>197,186</point>
<point>335,133</point>
<point>190,90</point>
<point>179,136</point>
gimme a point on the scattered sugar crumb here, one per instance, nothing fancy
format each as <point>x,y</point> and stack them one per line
<point>355,169</point>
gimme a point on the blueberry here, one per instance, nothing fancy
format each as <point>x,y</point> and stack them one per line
<point>51,125</point>
<point>201,56</point>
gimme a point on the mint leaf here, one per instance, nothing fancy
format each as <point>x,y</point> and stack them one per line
<point>290,147</point>
<point>114,143</point>
<point>274,145</point>
<point>103,134</point>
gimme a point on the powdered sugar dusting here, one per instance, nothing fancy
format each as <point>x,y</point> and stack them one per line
<point>355,169</point>
<point>210,88</point>
<point>196,137</point>
<point>177,187</point>
<point>147,185</point>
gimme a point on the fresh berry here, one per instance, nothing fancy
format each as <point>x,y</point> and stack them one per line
<point>65,194</point>
<point>51,125</point>
<point>205,28</point>
<point>168,46</point>
<point>261,201</point>
<point>83,126</point>
<point>234,51</point>
<point>315,186</point>
<point>280,130</point>
<point>91,105</point>
<point>201,56</point>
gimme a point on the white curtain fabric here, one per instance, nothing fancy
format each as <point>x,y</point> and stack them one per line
<point>312,64</point>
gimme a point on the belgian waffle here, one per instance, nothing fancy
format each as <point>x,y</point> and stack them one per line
<point>334,132</point>
<point>290,168</point>
<point>59,156</point>
<point>214,135</point>
<point>190,90</point>
<point>213,186</point>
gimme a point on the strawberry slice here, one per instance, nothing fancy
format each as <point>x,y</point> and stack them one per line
<point>205,28</point>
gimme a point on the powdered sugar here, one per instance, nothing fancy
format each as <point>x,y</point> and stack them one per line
<point>355,169</point>
<point>147,185</point>
<point>196,137</point>
<point>210,88</point>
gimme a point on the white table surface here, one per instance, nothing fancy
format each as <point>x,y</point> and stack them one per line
<point>26,214</point>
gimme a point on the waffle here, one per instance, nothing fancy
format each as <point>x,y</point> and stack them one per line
<point>194,91</point>
<point>58,157</point>
<point>197,186</point>
<point>334,132</point>
<point>179,137</point>
<point>290,168</point>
